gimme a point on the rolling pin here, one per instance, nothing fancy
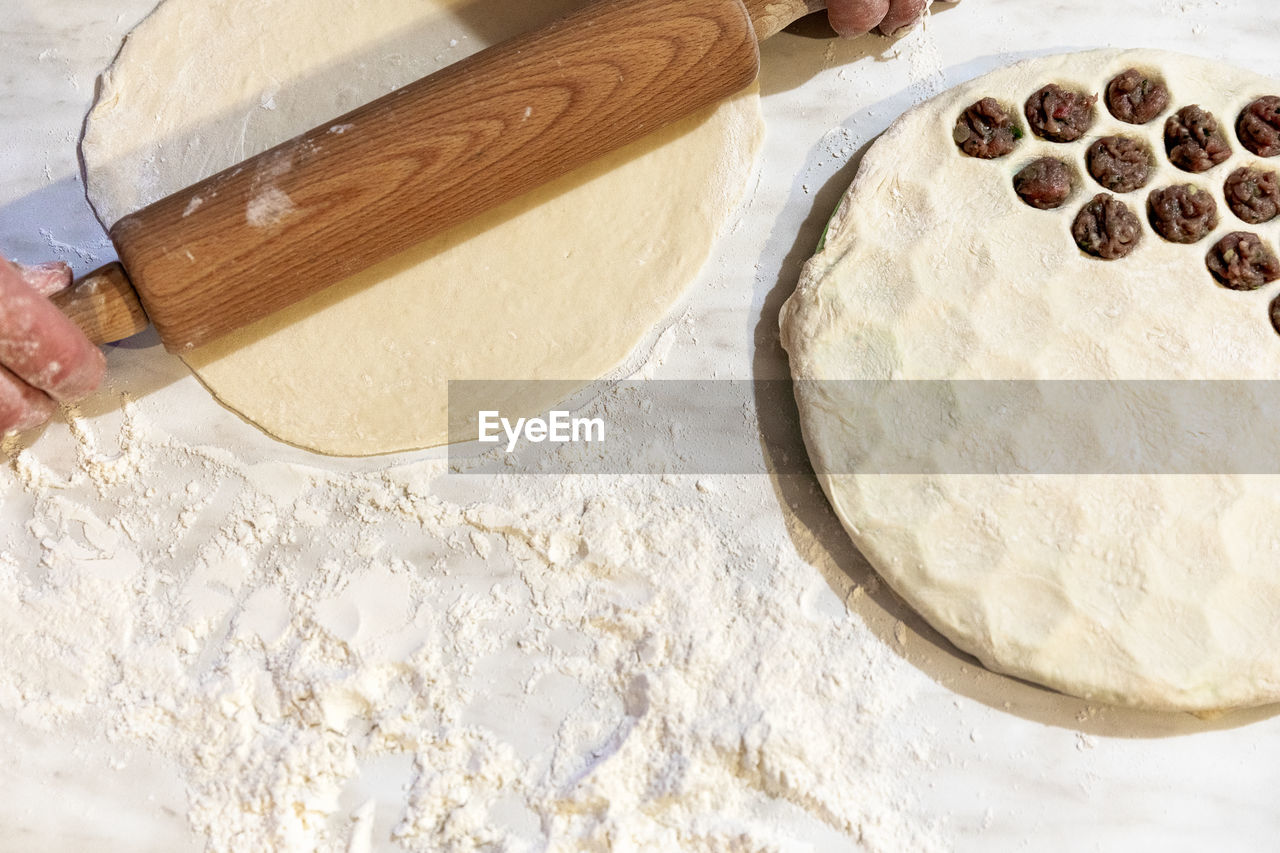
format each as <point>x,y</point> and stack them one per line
<point>264,234</point>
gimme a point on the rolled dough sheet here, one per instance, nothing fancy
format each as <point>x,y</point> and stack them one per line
<point>1155,590</point>
<point>560,284</point>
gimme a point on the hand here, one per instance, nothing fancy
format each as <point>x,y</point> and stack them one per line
<point>893,17</point>
<point>44,358</point>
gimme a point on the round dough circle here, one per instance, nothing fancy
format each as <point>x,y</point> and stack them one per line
<point>1156,591</point>
<point>558,285</point>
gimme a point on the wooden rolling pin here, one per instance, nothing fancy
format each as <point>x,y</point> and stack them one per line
<point>335,200</point>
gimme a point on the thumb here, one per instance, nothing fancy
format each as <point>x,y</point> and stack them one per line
<point>45,279</point>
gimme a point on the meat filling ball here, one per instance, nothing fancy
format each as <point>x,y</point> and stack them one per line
<point>1241,261</point>
<point>985,130</point>
<point>1044,183</point>
<point>1136,98</point>
<point>1106,228</point>
<point>1060,115</point>
<point>1194,140</point>
<point>1183,213</point>
<point>1122,164</point>
<point>1259,126</point>
<point>1253,194</point>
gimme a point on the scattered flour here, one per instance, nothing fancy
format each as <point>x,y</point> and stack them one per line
<point>268,208</point>
<point>574,664</point>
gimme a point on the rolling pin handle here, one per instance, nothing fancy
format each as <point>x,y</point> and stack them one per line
<point>104,305</point>
<point>769,17</point>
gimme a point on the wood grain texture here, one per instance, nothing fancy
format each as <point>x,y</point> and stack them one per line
<point>337,199</point>
<point>104,305</point>
<point>769,17</point>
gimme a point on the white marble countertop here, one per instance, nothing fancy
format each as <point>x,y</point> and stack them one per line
<point>1012,766</point>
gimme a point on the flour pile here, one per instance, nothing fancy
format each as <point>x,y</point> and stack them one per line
<point>576,663</point>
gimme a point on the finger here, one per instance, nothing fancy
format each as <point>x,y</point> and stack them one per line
<point>21,406</point>
<point>902,16</point>
<point>46,279</point>
<point>855,17</point>
<point>40,346</point>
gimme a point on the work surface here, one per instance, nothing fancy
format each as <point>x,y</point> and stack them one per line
<point>203,627</point>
